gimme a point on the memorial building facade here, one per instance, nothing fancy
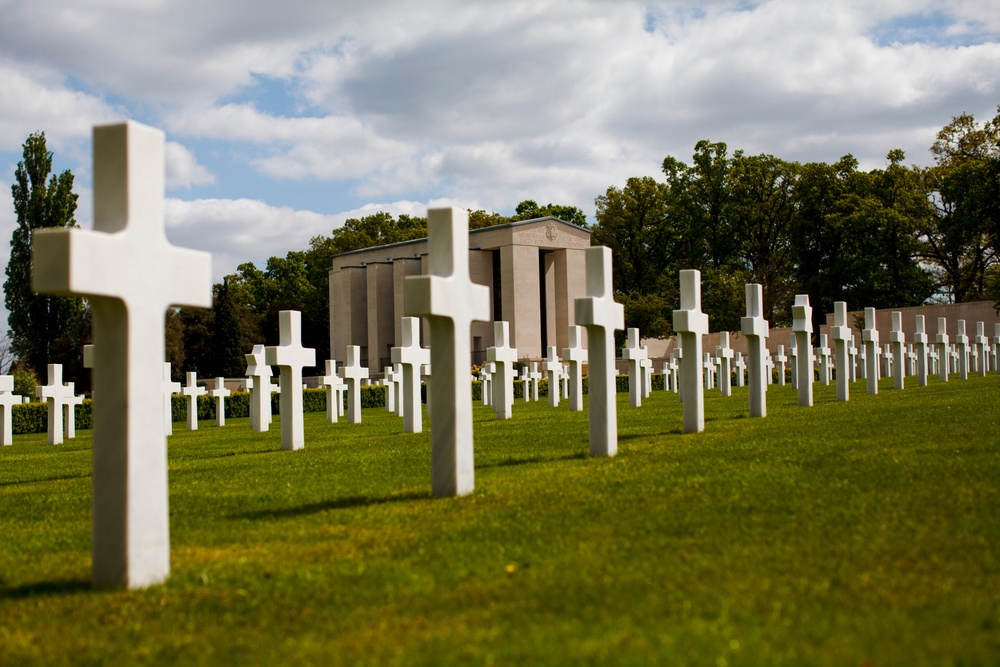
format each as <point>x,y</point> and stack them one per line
<point>534,270</point>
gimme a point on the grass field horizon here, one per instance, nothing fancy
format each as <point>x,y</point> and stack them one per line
<point>860,533</point>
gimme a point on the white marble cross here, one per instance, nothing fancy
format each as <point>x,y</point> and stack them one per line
<point>962,346</point>
<point>842,337</point>
<point>54,394</point>
<point>388,384</point>
<point>8,399</point>
<point>219,393</point>
<point>709,366</point>
<point>553,369</point>
<point>852,356</point>
<point>260,390</point>
<point>450,302</point>
<point>69,410</point>
<point>724,353</point>
<point>192,391</point>
<point>634,354</point>
<point>169,388</point>
<point>334,392</point>
<point>352,373</point>
<point>411,357</point>
<point>779,360</point>
<point>768,368</point>
<point>691,324</point>
<point>675,370</point>
<point>576,356</point>
<point>741,367</point>
<point>982,344</point>
<point>397,388</point>
<point>646,366</point>
<point>534,376</point>
<point>503,357</point>
<point>870,337</point>
<point>756,329</point>
<point>485,386</point>
<point>601,315</point>
<point>803,327</point>
<point>897,340</point>
<point>920,349</point>
<point>290,358</point>
<point>130,275</point>
<point>823,352</point>
<point>793,362</point>
<point>888,358</point>
<point>564,381</point>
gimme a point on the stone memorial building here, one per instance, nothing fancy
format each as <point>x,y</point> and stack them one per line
<point>534,270</point>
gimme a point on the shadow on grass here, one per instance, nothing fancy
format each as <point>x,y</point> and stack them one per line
<point>534,459</point>
<point>45,588</point>
<point>333,504</point>
<point>58,478</point>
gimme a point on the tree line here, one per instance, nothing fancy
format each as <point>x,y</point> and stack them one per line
<point>890,237</point>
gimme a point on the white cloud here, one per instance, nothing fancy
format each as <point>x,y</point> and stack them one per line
<point>246,230</point>
<point>183,169</point>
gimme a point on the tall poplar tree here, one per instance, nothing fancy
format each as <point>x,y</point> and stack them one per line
<point>43,329</point>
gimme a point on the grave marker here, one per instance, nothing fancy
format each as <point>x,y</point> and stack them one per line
<point>169,388</point>
<point>260,390</point>
<point>450,302</point>
<point>503,357</point>
<point>982,345</point>
<point>553,369</point>
<point>54,394</point>
<point>334,391</point>
<point>779,360</point>
<point>724,353</point>
<point>870,337</point>
<point>842,337</point>
<point>634,354</point>
<point>802,326</point>
<point>962,350</point>
<point>8,399</point>
<point>352,374</point>
<point>411,357</point>
<point>823,352</point>
<point>576,356</point>
<point>130,275</point>
<point>920,347</point>
<point>219,393</point>
<point>69,410</point>
<point>290,358</point>
<point>601,316</point>
<point>192,391</point>
<point>691,324</point>
<point>898,342</point>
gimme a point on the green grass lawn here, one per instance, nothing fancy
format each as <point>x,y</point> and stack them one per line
<point>864,533</point>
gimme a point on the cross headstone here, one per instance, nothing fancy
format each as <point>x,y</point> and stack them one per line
<point>564,381</point>
<point>169,388</point>
<point>842,337</point>
<point>576,356</point>
<point>709,367</point>
<point>387,384</point>
<point>219,393</point>
<point>130,275</point>
<point>450,302</point>
<point>54,394</point>
<point>870,337</point>
<point>334,392</point>
<point>601,316</point>
<point>553,369</point>
<point>852,357</point>
<point>260,390</point>
<point>691,324</point>
<point>793,362</point>
<point>768,368</point>
<point>534,377</point>
<point>634,354</point>
<point>920,348</point>
<point>69,410</point>
<point>779,364</point>
<point>675,358</point>
<point>741,366</point>
<point>962,347</point>
<point>756,329</point>
<point>646,375</point>
<point>290,358</point>
<point>803,327</point>
<point>996,348</point>
<point>888,358</point>
<point>724,353</point>
<point>897,340</point>
<point>411,358</point>
<point>823,352</point>
<point>8,399</point>
<point>982,344</point>
<point>503,357</point>
<point>192,391</point>
<point>352,373</point>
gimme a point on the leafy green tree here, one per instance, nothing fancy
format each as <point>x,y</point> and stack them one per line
<point>528,210</point>
<point>44,329</point>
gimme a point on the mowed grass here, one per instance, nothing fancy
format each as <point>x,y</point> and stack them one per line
<point>864,533</point>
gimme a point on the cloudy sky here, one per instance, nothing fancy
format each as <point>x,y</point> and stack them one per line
<point>283,119</point>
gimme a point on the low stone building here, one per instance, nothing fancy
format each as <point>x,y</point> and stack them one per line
<point>533,268</point>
